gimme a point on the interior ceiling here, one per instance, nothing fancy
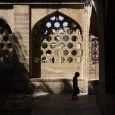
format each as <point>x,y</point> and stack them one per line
<point>40,1</point>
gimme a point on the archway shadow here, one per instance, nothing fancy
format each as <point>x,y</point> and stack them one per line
<point>15,76</point>
<point>17,79</point>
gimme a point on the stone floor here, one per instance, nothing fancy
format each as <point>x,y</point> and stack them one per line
<point>48,104</point>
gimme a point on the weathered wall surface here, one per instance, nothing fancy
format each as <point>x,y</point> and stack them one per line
<point>21,19</point>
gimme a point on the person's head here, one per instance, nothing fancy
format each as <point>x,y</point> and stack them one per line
<point>77,74</point>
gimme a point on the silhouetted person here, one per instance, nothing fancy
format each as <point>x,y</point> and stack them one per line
<point>75,86</point>
<point>53,60</point>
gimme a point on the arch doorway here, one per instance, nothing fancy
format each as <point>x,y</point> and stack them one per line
<point>57,47</point>
<point>6,47</point>
<point>6,50</point>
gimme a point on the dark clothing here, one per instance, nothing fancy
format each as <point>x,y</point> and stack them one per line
<point>75,91</point>
<point>75,87</point>
<point>75,82</point>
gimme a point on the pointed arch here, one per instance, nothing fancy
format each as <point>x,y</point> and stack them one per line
<point>59,23</point>
<point>6,47</point>
<point>41,23</point>
<point>94,23</point>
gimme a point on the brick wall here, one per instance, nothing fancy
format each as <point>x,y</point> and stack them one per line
<point>21,36</point>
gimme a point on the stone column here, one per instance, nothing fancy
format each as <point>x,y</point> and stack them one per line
<point>87,15</point>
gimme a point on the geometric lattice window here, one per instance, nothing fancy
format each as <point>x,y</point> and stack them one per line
<point>60,39</point>
<point>6,46</point>
<point>61,46</point>
<point>95,50</point>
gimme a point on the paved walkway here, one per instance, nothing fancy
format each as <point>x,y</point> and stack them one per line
<point>48,104</point>
<point>63,105</point>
